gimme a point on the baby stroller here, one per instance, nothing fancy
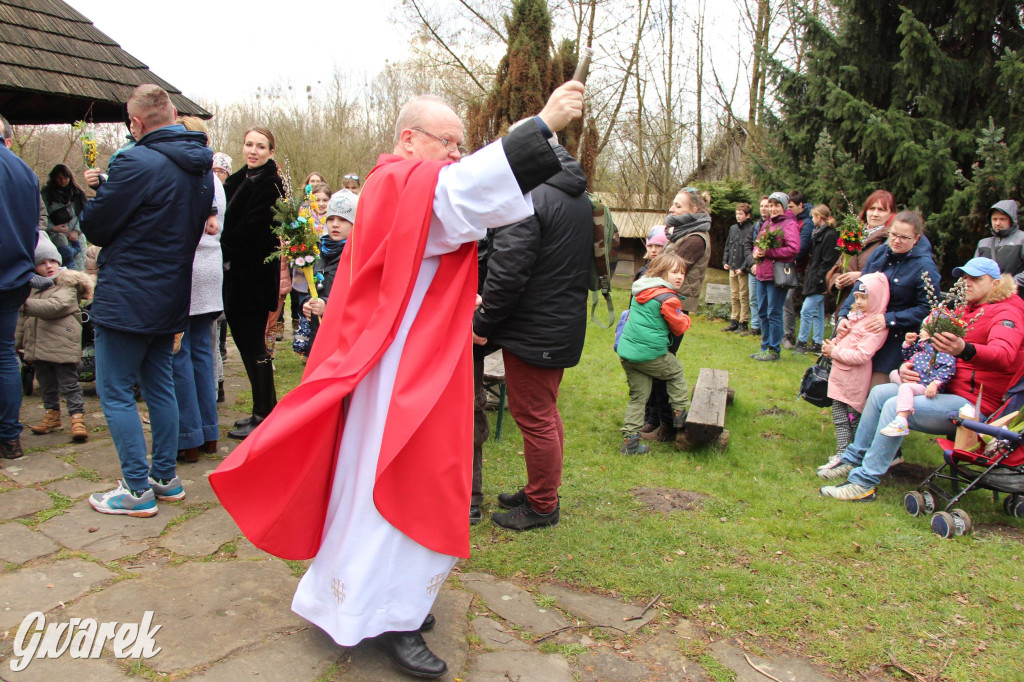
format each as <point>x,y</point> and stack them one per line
<point>87,366</point>
<point>997,465</point>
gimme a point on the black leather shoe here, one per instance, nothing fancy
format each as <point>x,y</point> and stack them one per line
<point>409,653</point>
<point>243,431</point>
<point>512,500</point>
<point>428,623</point>
<point>475,515</point>
<point>524,518</point>
<point>244,421</point>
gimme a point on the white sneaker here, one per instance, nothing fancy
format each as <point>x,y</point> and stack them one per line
<point>897,427</point>
<point>848,492</point>
<point>840,470</point>
<point>832,461</point>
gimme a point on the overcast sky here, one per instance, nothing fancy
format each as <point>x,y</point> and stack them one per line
<point>224,49</point>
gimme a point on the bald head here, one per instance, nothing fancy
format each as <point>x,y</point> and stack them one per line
<point>428,129</point>
<point>149,108</point>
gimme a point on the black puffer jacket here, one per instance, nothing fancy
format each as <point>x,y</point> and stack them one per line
<point>824,254</point>
<point>535,293</point>
<point>250,283</point>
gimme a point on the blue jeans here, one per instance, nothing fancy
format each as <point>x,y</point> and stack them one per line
<point>195,384</point>
<point>812,315</point>
<point>122,359</point>
<point>770,300</point>
<point>871,452</point>
<point>755,320</point>
<point>10,381</point>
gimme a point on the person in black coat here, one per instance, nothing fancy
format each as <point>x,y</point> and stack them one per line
<point>824,254</point>
<point>250,281</point>
<point>535,308</point>
<point>738,250</point>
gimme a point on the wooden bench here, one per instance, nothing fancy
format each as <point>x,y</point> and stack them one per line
<point>705,422</point>
<point>494,384</point>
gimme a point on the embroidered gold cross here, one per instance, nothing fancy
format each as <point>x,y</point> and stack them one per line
<point>338,590</point>
<point>435,583</point>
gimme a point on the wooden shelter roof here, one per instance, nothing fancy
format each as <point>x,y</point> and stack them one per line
<point>56,67</point>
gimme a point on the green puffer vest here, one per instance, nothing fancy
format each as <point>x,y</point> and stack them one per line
<point>645,336</point>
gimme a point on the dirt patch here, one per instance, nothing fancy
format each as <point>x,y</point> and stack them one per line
<point>1007,532</point>
<point>667,500</point>
<point>774,411</point>
<point>908,473</point>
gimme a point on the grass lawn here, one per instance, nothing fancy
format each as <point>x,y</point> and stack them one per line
<point>763,557</point>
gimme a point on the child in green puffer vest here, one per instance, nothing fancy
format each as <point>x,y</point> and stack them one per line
<point>655,316</point>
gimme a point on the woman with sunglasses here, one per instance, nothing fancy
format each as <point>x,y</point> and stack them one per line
<point>351,183</point>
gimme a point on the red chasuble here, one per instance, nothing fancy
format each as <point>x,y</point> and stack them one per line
<point>277,483</point>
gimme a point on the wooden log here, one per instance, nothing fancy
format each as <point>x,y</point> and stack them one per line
<point>706,418</point>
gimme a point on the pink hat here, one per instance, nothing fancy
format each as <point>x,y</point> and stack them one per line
<point>658,238</point>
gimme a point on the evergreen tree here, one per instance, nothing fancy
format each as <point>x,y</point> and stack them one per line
<point>904,91</point>
<point>523,81</point>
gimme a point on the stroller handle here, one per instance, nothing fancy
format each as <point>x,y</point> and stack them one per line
<point>987,429</point>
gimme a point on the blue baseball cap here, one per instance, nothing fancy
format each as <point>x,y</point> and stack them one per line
<point>976,267</point>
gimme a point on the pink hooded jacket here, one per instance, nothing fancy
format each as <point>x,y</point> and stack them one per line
<point>850,378</point>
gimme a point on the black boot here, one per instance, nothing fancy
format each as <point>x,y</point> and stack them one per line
<point>744,326</point>
<point>733,326</point>
<point>264,396</point>
<point>11,449</point>
<point>409,653</point>
<point>220,391</point>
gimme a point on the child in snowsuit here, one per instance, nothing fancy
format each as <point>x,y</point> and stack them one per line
<point>50,335</point>
<point>850,379</point>
<point>936,369</point>
<point>655,315</point>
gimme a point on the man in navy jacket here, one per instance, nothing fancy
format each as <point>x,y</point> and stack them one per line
<point>147,217</point>
<point>19,232</point>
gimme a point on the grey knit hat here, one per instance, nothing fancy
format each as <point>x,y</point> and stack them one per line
<point>45,250</point>
<point>780,197</point>
<point>342,204</point>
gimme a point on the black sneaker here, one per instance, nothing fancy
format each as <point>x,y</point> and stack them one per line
<point>788,342</point>
<point>512,500</point>
<point>800,347</point>
<point>524,518</point>
<point>475,516</point>
<point>733,326</point>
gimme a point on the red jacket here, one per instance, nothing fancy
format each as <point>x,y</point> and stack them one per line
<point>422,484</point>
<point>997,336</point>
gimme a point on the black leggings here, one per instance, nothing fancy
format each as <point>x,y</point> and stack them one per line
<point>249,329</point>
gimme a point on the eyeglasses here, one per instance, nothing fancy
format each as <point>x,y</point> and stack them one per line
<point>350,176</point>
<point>902,238</point>
<point>448,144</point>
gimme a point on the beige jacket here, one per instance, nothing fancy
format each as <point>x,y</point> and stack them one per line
<point>50,327</point>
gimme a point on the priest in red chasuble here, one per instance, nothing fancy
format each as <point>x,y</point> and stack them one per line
<point>366,465</point>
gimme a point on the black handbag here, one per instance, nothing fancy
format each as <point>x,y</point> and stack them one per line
<point>784,275</point>
<point>814,385</point>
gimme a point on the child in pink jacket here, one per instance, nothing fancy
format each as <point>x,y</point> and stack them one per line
<point>850,379</point>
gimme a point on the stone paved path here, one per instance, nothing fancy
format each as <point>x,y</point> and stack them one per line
<point>224,605</point>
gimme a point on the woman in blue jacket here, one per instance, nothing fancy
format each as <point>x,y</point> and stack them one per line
<point>906,254</point>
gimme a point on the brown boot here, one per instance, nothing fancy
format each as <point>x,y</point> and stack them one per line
<point>664,433</point>
<point>79,433</point>
<point>189,455</point>
<point>50,422</point>
<point>210,446</point>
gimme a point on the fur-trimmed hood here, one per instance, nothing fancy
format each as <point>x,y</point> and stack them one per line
<point>79,280</point>
<point>1003,289</point>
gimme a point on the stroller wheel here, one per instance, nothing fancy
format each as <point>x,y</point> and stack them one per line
<point>913,502</point>
<point>944,524</point>
<point>929,502</point>
<point>964,518</point>
<point>1012,505</point>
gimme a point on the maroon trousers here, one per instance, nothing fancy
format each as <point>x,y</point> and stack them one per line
<point>533,403</point>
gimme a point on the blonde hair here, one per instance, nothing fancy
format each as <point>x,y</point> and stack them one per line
<point>196,125</point>
<point>665,264</point>
<point>825,213</point>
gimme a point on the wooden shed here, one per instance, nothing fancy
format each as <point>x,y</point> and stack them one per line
<point>56,67</point>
